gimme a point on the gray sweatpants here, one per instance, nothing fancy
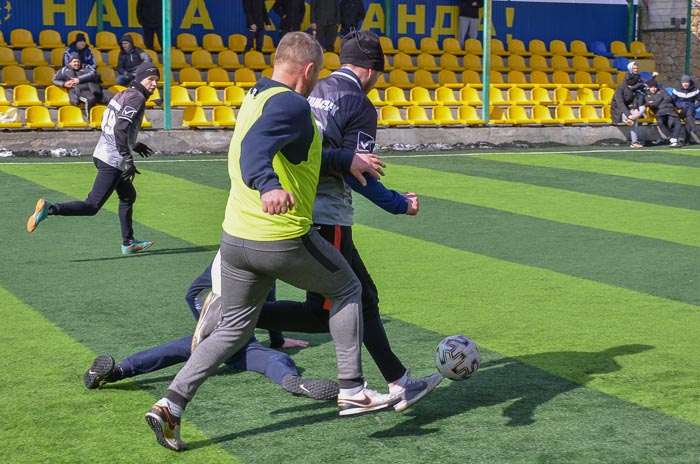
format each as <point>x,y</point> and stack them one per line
<point>248,271</point>
<point>468,28</point>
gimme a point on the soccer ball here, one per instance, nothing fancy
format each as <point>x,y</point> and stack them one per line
<point>457,357</point>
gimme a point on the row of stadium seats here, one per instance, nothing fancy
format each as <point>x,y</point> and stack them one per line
<point>186,42</point>
<point>68,117</point>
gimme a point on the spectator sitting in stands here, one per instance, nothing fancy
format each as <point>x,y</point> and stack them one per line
<point>661,103</point>
<point>627,107</point>
<point>80,47</point>
<point>130,58</point>
<point>686,97</point>
<point>82,82</point>
<point>352,13</point>
<point>633,73</point>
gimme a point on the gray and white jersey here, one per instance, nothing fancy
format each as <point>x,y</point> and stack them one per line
<point>121,123</point>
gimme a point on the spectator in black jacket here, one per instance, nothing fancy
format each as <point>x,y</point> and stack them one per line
<point>352,13</point>
<point>130,58</point>
<point>150,16</point>
<point>687,99</point>
<point>80,47</point>
<point>661,103</point>
<point>325,16</point>
<point>627,107</point>
<point>257,20</point>
<point>469,19</point>
<point>82,82</point>
<point>291,13</point>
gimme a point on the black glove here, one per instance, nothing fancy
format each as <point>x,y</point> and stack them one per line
<point>130,172</point>
<point>142,149</point>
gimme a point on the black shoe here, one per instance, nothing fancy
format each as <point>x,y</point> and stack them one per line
<point>102,367</point>
<point>311,388</point>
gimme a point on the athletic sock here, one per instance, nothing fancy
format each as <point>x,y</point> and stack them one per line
<point>347,392</point>
<point>174,408</point>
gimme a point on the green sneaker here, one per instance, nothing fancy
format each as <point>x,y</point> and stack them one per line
<point>41,211</point>
<point>136,247</point>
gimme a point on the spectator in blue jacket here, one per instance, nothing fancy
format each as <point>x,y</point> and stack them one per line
<point>80,46</point>
<point>686,97</point>
<point>130,57</point>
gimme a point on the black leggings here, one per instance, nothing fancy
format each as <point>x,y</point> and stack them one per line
<point>107,181</point>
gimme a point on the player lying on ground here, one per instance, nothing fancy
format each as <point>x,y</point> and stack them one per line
<point>254,356</point>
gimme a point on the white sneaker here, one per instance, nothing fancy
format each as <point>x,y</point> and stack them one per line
<point>365,401</point>
<point>414,390</point>
<point>209,318</point>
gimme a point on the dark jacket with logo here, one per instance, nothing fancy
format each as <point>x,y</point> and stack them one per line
<point>131,59</point>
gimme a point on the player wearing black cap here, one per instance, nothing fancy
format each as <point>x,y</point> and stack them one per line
<point>113,158</point>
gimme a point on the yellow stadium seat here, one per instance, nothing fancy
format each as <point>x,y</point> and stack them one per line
<point>639,50</point>
<point>497,64</point>
<point>396,96</point>
<point>255,60</point>
<point>581,63</point>
<point>517,63</point>
<point>106,40</point>
<point>213,43</point>
<point>96,113</point>
<point>56,96</point>
<point>138,39</point>
<point>540,96</point>
<point>563,96</point>
<point>194,116</point>
<point>517,115</point>
<point>201,59</point>
<point>145,123</point>
<point>447,78</point>
<point>602,63</point>
<point>113,58</point>
<point>579,47</point>
<point>542,115</point>
<point>7,57</point>
<point>269,45</point>
<point>450,62</point>
<point>619,48</point>
<point>518,79</point>
<point>518,96</point>
<point>115,89</point>
<point>32,56</point>
<point>539,63</point>
<point>498,115</point>
<point>561,63</point>
<point>107,74</point>
<point>3,96</point>
<point>155,99</point>
<point>467,114</point>
<point>404,62</point>
<point>541,79</point>
<point>538,47</point>
<point>606,94</point>
<point>38,117</point>
<point>244,77</point>
<point>228,60</point>
<point>381,82</point>
<point>517,47</point>
<point>49,38</point>
<point>497,80</point>
<point>445,96</point>
<point>584,79</point>
<point>562,78</point>
<point>419,117</point>
<point>9,117</point>
<point>425,79</point>
<point>321,75</point>
<point>2,40</point>
<point>469,96</point>
<point>565,114</point>
<point>187,42</point>
<point>223,116</point>
<point>375,98</point>
<point>218,78</point>
<point>391,116</point>
<point>387,66</point>
<point>177,59</point>
<point>471,78</point>
<point>399,78</point>
<point>407,45</point>
<point>605,79</point>
<point>57,57</point>
<point>191,77</point>
<point>452,45</point>
<point>74,33</point>
<point>420,96</point>
<point>444,116</point>
<point>427,61</point>
<point>496,98</point>
<point>558,47</point>
<point>606,114</point>
<point>586,96</point>
<point>497,47</point>
<point>473,46</point>
<point>21,38</point>
<point>331,61</point>
<point>336,45</point>
<point>25,95</point>
<point>430,45</point>
<point>153,55</point>
<point>387,45</point>
<point>473,62</point>
<point>234,95</point>
<point>237,42</point>
<point>71,117</point>
<point>590,115</point>
<point>180,96</point>
<point>207,96</point>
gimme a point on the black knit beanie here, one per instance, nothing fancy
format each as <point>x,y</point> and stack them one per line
<point>362,48</point>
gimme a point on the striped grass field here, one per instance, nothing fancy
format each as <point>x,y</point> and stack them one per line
<point>576,272</point>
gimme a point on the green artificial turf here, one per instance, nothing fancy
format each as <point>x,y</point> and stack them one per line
<point>575,272</point>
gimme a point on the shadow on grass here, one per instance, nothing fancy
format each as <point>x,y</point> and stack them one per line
<point>155,252</point>
<point>512,380</point>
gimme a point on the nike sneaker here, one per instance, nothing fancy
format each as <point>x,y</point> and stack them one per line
<point>365,401</point>
<point>41,211</point>
<point>414,390</point>
<point>136,246</point>
<point>102,367</point>
<point>166,426</point>
<point>311,388</point>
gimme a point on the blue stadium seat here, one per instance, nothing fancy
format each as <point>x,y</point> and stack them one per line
<point>599,48</point>
<point>620,63</point>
